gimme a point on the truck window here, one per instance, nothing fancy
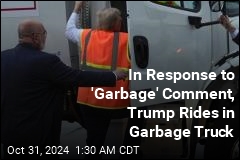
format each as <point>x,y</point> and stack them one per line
<point>232,8</point>
<point>193,6</point>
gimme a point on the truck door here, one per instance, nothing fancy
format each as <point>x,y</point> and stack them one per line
<point>161,38</point>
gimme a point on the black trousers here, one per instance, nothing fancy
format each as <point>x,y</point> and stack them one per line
<point>97,120</point>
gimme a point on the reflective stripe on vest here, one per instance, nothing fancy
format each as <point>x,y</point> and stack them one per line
<point>105,51</point>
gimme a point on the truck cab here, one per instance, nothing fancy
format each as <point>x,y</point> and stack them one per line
<point>185,36</point>
<point>162,38</point>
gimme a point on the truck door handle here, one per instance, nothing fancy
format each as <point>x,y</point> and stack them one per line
<point>141,51</point>
<point>196,21</point>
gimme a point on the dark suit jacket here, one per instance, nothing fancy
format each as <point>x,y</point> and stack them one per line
<point>236,39</point>
<point>33,84</point>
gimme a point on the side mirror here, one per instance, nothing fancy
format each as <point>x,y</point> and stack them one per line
<point>216,6</point>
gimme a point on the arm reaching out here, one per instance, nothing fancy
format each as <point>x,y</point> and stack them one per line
<point>224,20</point>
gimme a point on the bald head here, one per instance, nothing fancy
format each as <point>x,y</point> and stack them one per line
<point>32,31</point>
<point>27,27</point>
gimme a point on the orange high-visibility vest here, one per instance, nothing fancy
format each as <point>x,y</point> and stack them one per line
<point>99,56</point>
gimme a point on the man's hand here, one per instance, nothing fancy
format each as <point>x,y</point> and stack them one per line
<point>78,6</point>
<point>120,75</point>
<point>224,20</point>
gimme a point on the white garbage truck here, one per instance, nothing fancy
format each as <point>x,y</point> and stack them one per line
<point>179,53</point>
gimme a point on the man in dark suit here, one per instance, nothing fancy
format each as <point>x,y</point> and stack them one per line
<point>33,84</point>
<point>224,20</point>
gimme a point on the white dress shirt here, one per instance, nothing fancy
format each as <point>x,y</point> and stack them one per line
<point>73,33</point>
<point>235,33</point>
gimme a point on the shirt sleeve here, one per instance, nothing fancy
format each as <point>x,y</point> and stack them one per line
<point>73,33</point>
<point>235,33</point>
